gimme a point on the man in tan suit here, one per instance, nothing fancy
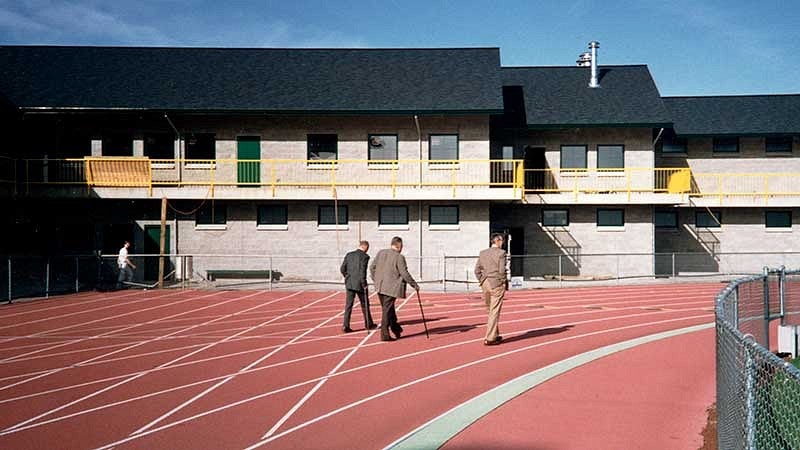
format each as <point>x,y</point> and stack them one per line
<point>390,274</point>
<point>491,272</point>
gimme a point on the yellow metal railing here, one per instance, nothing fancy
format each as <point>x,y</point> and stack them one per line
<point>608,181</point>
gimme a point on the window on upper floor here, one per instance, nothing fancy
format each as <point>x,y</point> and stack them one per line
<point>273,215</point>
<point>75,144</point>
<point>670,144</point>
<point>610,156</point>
<point>573,156</point>
<point>201,146</point>
<point>555,217</point>
<point>326,215</point>
<point>443,215</point>
<point>211,214</point>
<point>608,217</point>
<point>782,144</point>
<point>393,215</point>
<point>159,146</point>
<point>382,147</point>
<point>778,219</point>
<point>117,144</point>
<point>704,219</point>
<point>666,219</point>
<point>726,145</point>
<point>443,147</point>
<point>322,147</point>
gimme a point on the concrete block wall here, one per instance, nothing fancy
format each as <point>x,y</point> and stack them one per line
<point>305,251</point>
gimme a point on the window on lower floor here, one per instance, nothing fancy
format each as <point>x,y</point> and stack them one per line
<point>159,146</point>
<point>781,144</point>
<point>382,147</point>
<point>443,215</point>
<point>211,214</point>
<point>610,217</point>
<point>726,145</point>
<point>273,215</point>
<point>201,146</point>
<point>555,217</point>
<point>666,219</point>
<point>327,215</point>
<point>706,219</point>
<point>322,147</point>
<point>443,147</point>
<point>610,156</point>
<point>778,219</point>
<point>573,156</point>
<point>393,215</point>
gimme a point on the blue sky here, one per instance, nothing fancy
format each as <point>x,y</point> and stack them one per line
<point>693,47</point>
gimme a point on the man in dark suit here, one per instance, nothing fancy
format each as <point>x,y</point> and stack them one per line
<point>390,273</point>
<point>354,270</point>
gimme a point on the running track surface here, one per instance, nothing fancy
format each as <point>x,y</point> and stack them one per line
<point>272,370</point>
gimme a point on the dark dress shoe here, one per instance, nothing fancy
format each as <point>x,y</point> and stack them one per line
<point>397,333</point>
<point>372,327</point>
<point>347,330</point>
<point>388,339</point>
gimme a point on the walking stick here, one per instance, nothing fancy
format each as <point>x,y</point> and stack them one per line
<point>423,316</point>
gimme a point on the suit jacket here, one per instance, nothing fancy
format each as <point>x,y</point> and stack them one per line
<point>390,273</point>
<point>491,267</point>
<point>354,270</point>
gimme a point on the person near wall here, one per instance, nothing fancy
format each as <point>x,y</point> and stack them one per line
<point>491,273</point>
<point>390,274</point>
<point>354,271</point>
<point>125,266</point>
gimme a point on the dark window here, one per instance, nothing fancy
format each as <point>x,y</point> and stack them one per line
<point>778,219</point>
<point>702,219</point>
<point>443,215</point>
<point>273,215</point>
<point>75,144</point>
<point>117,144</point>
<point>573,156</point>
<point>211,214</point>
<point>323,147</point>
<point>666,219</point>
<point>382,147</point>
<point>555,217</point>
<point>159,146</point>
<point>726,145</point>
<point>327,215</point>
<point>610,217</point>
<point>670,143</point>
<point>778,144</point>
<point>443,147</point>
<point>201,146</point>
<point>610,156</point>
<point>393,215</point>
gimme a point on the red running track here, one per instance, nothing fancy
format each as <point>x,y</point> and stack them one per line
<point>257,369</point>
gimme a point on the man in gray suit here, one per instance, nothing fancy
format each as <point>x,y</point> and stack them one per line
<point>354,271</point>
<point>390,273</point>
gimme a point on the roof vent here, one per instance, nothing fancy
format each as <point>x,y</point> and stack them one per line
<point>589,59</point>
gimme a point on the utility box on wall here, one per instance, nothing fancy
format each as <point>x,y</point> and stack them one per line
<point>788,339</point>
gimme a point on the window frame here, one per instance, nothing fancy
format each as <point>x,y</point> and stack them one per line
<point>200,161</point>
<point>383,161</point>
<point>614,225</point>
<point>718,141</point>
<point>262,207</point>
<point>565,210</point>
<point>311,160</point>
<point>790,140</point>
<point>380,215</point>
<point>714,212</point>
<point>457,216</point>
<point>585,158</point>
<point>433,160</point>
<point>215,223</point>
<point>665,227</point>
<point>341,208</point>
<point>766,219</point>
<point>167,137</point>
<point>622,149</point>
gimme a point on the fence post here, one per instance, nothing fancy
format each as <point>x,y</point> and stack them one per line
<point>270,273</point>
<point>77,275</point>
<point>766,307</point>
<point>444,272</point>
<point>750,393</point>
<point>560,276</point>
<point>782,290</point>
<point>9,279</point>
<point>618,274</point>
<point>47,280</point>
<point>673,264</point>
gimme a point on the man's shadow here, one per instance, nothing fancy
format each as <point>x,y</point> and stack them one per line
<point>416,321</point>
<point>447,329</point>
<point>530,334</point>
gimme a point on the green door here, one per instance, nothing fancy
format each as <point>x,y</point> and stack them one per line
<point>152,244</point>
<point>249,148</point>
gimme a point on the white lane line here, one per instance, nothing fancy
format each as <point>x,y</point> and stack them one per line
<point>20,425</point>
<point>247,367</point>
<point>306,358</point>
<point>375,396</point>
<point>319,384</point>
<point>154,339</point>
<point>84,300</point>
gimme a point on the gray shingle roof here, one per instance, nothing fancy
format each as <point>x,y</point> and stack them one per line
<point>561,96</point>
<point>735,115</point>
<point>238,79</point>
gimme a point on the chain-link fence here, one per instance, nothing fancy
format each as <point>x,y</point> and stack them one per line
<point>758,393</point>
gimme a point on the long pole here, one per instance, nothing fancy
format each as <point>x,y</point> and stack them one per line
<point>162,242</point>
<point>419,301</point>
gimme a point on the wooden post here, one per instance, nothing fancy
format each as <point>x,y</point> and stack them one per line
<point>162,242</point>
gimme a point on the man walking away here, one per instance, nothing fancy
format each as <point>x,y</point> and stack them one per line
<point>125,266</point>
<point>354,271</point>
<point>491,273</point>
<point>390,274</point>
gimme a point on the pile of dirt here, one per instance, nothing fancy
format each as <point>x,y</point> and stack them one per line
<point>710,431</point>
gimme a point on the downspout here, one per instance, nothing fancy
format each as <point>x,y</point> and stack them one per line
<point>419,140</point>
<point>419,218</point>
<point>176,247</point>
<point>180,155</point>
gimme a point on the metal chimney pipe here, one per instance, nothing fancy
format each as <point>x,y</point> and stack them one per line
<point>593,46</point>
